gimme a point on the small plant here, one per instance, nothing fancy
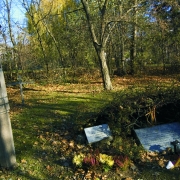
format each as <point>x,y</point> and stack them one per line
<point>106,161</point>
<point>78,159</point>
<point>122,161</point>
<point>91,160</point>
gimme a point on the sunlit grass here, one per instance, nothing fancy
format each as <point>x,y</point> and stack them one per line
<point>37,125</point>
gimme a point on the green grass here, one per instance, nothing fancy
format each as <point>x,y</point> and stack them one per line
<point>37,129</point>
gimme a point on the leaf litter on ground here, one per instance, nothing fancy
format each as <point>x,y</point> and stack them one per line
<point>45,133</point>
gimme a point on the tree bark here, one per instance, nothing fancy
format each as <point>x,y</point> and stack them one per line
<point>133,38</point>
<point>104,69</point>
<point>99,45</point>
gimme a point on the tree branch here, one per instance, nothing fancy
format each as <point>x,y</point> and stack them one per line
<point>90,24</point>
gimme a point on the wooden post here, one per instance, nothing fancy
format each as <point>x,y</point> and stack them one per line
<point>21,89</point>
<point>7,150</point>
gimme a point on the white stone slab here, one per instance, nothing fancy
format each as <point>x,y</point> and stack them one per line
<point>4,104</point>
<point>158,138</point>
<point>97,133</point>
<point>7,150</point>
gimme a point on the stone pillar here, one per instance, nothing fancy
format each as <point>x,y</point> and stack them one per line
<point>7,150</point>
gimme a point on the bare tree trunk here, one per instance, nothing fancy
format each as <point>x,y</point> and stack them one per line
<point>133,39</point>
<point>31,15</point>
<point>132,51</point>
<point>104,69</point>
<point>99,46</point>
<point>120,62</point>
<point>12,38</point>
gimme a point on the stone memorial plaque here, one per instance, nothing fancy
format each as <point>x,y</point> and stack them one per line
<point>97,133</point>
<point>7,150</point>
<point>158,138</point>
<point>4,103</point>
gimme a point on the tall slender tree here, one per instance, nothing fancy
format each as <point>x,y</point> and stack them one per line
<point>99,39</point>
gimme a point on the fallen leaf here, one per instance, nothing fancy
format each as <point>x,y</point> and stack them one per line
<point>35,143</point>
<point>48,167</point>
<point>71,144</point>
<point>23,161</point>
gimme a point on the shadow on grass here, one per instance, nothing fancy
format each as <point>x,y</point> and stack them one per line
<point>43,132</point>
<point>148,171</point>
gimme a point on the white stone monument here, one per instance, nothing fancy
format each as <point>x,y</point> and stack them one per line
<point>7,150</point>
<point>158,138</point>
<point>97,133</point>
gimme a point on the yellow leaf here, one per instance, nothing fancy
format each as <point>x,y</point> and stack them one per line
<point>23,161</point>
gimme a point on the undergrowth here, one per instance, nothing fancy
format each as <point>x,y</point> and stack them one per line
<point>138,108</point>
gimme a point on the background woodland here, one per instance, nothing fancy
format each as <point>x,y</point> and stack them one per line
<point>73,37</point>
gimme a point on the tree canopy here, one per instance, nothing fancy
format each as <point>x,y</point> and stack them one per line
<point>125,35</point>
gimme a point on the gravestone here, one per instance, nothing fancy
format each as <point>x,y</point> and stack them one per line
<point>97,133</point>
<point>158,138</point>
<point>7,150</point>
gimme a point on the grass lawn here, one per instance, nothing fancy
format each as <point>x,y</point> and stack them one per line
<point>46,129</point>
